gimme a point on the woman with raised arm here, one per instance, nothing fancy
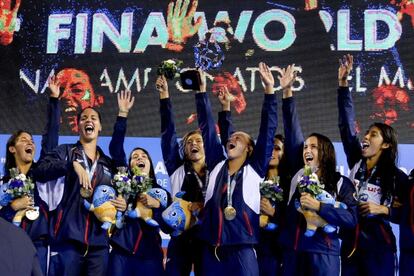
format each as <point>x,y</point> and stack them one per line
<point>136,247</point>
<point>186,167</point>
<point>81,245</point>
<point>312,252</point>
<point>230,222</point>
<point>20,152</point>
<point>268,249</point>
<point>370,248</point>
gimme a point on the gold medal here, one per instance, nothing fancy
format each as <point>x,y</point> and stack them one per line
<point>85,193</point>
<point>229,213</point>
<point>33,214</point>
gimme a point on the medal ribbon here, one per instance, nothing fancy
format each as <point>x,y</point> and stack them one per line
<point>230,188</point>
<point>200,182</point>
<point>364,180</point>
<point>89,170</point>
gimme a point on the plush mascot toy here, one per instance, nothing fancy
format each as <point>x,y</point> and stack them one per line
<point>266,224</point>
<point>313,220</point>
<point>102,207</point>
<point>5,197</point>
<point>144,212</point>
<point>178,215</point>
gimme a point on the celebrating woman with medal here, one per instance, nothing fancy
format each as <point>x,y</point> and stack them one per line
<point>230,223</point>
<point>316,251</point>
<point>20,152</point>
<point>135,247</point>
<point>188,174</point>
<point>81,245</point>
<point>370,248</point>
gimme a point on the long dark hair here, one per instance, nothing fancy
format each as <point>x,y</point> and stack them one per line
<point>387,162</point>
<point>327,163</point>
<point>283,166</point>
<point>151,172</point>
<point>10,160</point>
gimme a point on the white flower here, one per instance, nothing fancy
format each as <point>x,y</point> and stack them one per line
<point>170,61</point>
<point>22,177</point>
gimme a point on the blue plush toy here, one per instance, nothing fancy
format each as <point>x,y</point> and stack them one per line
<point>178,215</point>
<point>144,212</point>
<point>5,197</point>
<point>313,220</point>
<point>103,208</point>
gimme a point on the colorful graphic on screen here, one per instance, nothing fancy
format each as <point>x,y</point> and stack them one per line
<point>108,46</point>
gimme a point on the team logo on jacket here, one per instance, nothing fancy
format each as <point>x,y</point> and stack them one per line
<point>107,172</point>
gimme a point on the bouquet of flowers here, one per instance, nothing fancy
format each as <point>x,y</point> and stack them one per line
<point>309,183</point>
<point>270,189</point>
<point>19,184</point>
<point>170,68</point>
<point>140,183</point>
<point>122,182</point>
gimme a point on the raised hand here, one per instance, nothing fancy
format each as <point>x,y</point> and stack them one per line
<point>54,86</point>
<point>287,78</point>
<point>225,98</point>
<point>162,86</point>
<point>179,23</point>
<point>203,80</point>
<point>345,68</point>
<point>267,78</point>
<point>125,102</point>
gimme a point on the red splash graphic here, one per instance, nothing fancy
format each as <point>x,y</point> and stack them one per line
<point>228,80</point>
<point>406,8</point>
<point>8,18</point>
<point>191,118</point>
<point>388,99</point>
<point>77,94</point>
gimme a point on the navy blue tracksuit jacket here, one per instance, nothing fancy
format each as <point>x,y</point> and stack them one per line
<point>292,235</point>
<point>183,250</point>
<point>136,237</point>
<point>72,221</point>
<point>373,236</point>
<point>243,230</point>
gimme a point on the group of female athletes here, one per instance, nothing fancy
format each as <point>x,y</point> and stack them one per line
<point>223,188</point>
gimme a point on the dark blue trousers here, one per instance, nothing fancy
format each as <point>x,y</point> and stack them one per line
<point>73,258</point>
<point>229,260</point>
<point>123,263</point>
<point>42,254</point>
<point>309,264</point>
<point>269,265</point>
<point>378,263</point>
<point>184,251</point>
<point>406,262</point>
